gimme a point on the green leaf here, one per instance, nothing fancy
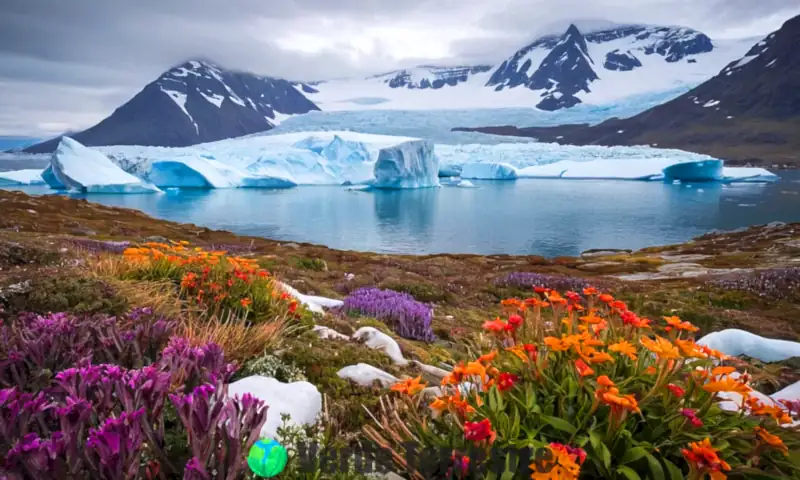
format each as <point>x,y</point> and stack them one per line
<point>673,470</point>
<point>632,455</point>
<point>558,423</point>
<point>629,473</point>
<point>600,448</point>
<point>655,468</point>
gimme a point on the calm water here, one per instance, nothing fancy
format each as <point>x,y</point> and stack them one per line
<point>542,217</point>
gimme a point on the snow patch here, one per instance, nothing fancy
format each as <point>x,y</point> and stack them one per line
<point>214,99</point>
<point>711,103</point>
<point>180,100</point>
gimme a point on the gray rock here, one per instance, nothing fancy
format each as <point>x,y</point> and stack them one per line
<point>157,239</point>
<point>605,252</point>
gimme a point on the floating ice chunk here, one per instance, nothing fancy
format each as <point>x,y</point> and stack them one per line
<point>21,177</point>
<point>89,171</point>
<point>701,171</point>
<point>489,171</point>
<point>739,342</point>
<point>611,169</point>
<point>300,400</point>
<point>748,174</point>
<point>410,164</point>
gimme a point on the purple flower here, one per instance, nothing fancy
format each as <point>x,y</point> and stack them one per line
<point>776,283</point>
<point>116,444</point>
<point>528,280</point>
<point>408,317</point>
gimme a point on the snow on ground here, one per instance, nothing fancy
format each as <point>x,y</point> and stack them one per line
<point>86,170</point>
<point>300,400</point>
<point>739,342</point>
<point>654,77</point>
<point>21,177</point>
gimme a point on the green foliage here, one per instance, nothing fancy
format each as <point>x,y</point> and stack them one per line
<point>66,294</point>
<point>320,360</point>
<point>422,292</point>
<point>314,264</point>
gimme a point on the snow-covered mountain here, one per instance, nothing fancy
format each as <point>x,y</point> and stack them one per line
<point>748,112</point>
<point>193,103</point>
<point>605,64</point>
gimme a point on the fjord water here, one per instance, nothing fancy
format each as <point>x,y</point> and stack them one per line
<point>540,217</point>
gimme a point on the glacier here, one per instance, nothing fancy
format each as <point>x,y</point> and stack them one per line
<point>488,171</point>
<point>86,170</point>
<point>377,161</point>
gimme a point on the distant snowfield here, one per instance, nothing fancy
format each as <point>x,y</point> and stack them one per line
<point>655,76</point>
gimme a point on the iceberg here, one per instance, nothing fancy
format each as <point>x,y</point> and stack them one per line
<point>488,171</point>
<point>21,177</point>
<point>748,174</point>
<point>208,173</point>
<point>51,180</point>
<point>410,164</point>
<point>701,171</point>
<point>88,171</point>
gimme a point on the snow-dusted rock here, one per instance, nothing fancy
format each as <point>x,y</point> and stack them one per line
<point>739,342</point>
<point>89,171</point>
<point>365,375</point>
<point>21,177</point>
<point>329,333</point>
<point>489,171</point>
<point>374,338</point>
<point>301,400</point>
<point>410,164</point>
<point>313,303</point>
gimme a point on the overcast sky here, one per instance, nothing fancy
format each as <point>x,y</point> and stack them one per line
<point>66,64</point>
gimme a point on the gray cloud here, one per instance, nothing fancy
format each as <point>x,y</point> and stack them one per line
<point>67,64</point>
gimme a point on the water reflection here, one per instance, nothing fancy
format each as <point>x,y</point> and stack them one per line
<point>543,217</point>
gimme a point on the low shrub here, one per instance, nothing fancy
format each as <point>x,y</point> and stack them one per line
<point>66,294</point>
<point>596,392</point>
<point>271,366</point>
<point>314,264</point>
<point>13,254</point>
<point>408,317</point>
<point>422,292</point>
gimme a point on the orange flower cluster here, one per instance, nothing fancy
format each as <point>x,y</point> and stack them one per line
<point>704,459</point>
<point>564,463</point>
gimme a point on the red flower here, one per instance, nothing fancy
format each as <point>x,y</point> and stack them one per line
<point>506,381</point>
<point>496,326</point>
<point>583,369</point>
<point>292,307</point>
<point>541,289</point>
<point>676,390</point>
<point>532,351</point>
<point>573,297</point>
<point>284,296</point>
<point>692,416</point>
<point>479,431</point>
<point>515,321</point>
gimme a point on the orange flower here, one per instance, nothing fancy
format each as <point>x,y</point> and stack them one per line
<point>604,381</point>
<point>456,376</point>
<point>475,369</point>
<point>591,319</point>
<point>556,344</point>
<point>583,369</point>
<point>775,411</point>
<point>623,347</point>
<point>590,291</point>
<point>563,463</point>
<point>772,440</point>
<point>689,349</point>
<point>511,302</point>
<point>555,298</point>
<point>676,323</point>
<point>713,353</point>
<point>519,351</point>
<point>600,357</point>
<point>410,386</point>
<point>722,371</point>
<point>703,458</point>
<point>488,357</point>
<point>606,298</point>
<point>440,405</point>
<point>619,403</point>
<point>246,302</point>
<point>727,384</point>
<point>651,370</point>
<point>662,347</point>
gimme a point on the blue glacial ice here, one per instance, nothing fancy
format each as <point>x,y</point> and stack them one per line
<point>702,171</point>
<point>85,170</point>
<point>410,164</point>
<point>21,177</point>
<point>51,180</point>
<point>488,171</point>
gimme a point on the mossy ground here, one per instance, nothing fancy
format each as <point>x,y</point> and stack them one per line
<point>461,288</point>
